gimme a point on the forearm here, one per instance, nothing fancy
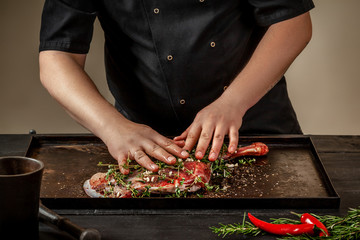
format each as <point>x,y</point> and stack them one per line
<point>63,75</point>
<point>279,47</point>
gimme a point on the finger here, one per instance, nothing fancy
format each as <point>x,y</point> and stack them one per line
<point>159,153</point>
<point>217,143</point>
<point>204,141</point>
<point>192,138</point>
<point>182,136</point>
<point>141,158</point>
<point>233,140</point>
<point>123,164</point>
<point>180,143</point>
<point>172,147</point>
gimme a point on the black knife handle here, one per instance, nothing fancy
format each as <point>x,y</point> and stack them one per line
<point>51,218</point>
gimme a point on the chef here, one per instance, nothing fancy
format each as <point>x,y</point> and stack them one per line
<point>199,70</point>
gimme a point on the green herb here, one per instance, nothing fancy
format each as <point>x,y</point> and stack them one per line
<point>245,228</point>
<point>210,188</point>
<point>245,160</point>
<point>177,192</point>
<point>347,227</point>
<point>219,168</point>
<point>146,192</point>
<point>182,181</point>
<point>198,180</point>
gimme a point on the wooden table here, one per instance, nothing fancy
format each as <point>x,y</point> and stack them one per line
<point>340,156</point>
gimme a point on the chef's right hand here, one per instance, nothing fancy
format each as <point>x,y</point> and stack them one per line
<point>63,75</point>
<point>138,142</point>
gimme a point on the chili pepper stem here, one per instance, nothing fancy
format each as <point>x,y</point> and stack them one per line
<point>308,218</point>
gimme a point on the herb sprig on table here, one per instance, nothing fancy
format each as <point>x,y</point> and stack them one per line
<point>347,227</point>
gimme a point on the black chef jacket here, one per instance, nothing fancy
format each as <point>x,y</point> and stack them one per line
<point>167,59</point>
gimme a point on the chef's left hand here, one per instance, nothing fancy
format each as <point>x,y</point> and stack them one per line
<point>214,122</point>
<point>278,48</point>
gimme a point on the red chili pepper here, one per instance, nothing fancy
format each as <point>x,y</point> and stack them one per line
<point>283,229</point>
<point>307,218</point>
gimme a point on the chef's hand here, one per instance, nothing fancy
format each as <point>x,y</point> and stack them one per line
<point>281,44</point>
<point>138,142</point>
<point>213,123</point>
<point>63,75</point>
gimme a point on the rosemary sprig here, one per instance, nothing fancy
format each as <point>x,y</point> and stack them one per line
<point>347,227</point>
<point>245,228</point>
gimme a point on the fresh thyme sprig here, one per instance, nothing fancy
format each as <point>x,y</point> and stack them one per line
<point>246,160</point>
<point>347,227</point>
<point>119,178</point>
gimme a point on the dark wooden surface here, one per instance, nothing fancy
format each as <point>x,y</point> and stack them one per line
<point>340,156</point>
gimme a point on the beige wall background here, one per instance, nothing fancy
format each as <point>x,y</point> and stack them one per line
<point>324,81</point>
